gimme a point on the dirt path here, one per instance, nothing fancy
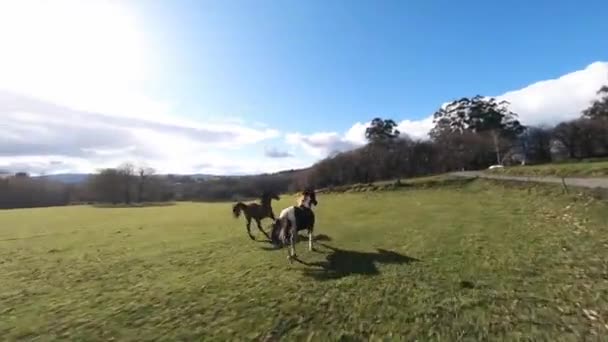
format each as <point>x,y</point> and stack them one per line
<point>570,181</point>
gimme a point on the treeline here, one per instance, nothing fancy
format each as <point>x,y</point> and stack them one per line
<point>401,158</point>
<point>130,184</point>
<point>21,191</point>
<point>582,138</point>
<point>468,134</point>
<point>125,184</point>
<point>234,188</point>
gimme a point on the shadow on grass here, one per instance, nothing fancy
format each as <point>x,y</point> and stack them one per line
<point>316,238</point>
<point>342,263</point>
<point>133,205</point>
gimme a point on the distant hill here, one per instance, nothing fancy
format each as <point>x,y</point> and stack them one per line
<point>78,178</point>
<point>68,178</point>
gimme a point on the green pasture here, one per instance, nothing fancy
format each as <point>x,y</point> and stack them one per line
<point>472,262</point>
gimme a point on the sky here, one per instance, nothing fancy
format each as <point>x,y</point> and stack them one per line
<point>241,87</point>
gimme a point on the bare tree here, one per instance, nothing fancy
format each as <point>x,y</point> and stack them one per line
<point>144,172</point>
<point>536,144</point>
<point>599,107</point>
<point>127,172</point>
<point>106,186</point>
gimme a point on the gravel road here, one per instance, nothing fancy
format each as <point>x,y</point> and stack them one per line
<point>570,181</point>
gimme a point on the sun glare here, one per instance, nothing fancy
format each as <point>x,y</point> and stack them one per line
<point>66,51</point>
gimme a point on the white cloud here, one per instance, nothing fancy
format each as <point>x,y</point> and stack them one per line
<point>416,129</point>
<point>73,89</point>
<point>356,134</point>
<point>555,100</point>
<point>323,143</point>
<point>38,132</point>
<point>545,102</point>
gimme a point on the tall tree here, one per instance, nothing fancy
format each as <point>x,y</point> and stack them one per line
<point>381,134</point>
<point>599,107</point>
<point>480,115</point>
<point>380,131</point>
<point>568,134</point>
<point>127,172</point>
<point>144,173</point>
<point>536,144</point>
<point>106,185</point>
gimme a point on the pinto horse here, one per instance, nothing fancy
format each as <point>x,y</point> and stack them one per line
<point>293,219</point>
<point>256,211</point>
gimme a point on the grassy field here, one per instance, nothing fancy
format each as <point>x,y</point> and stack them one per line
<point>477,262</point>
<point>574,169</point>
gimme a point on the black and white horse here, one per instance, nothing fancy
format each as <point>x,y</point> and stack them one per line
<point>293,219</point>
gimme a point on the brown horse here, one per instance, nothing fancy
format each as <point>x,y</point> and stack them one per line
<point>256,211</point>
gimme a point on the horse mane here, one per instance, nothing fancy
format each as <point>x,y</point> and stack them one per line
<point>265,198</point>
<point>301,199</point>
<point>303,196</point>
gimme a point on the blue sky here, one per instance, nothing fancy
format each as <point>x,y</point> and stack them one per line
<point>298,78</point>
<point>349,60</point>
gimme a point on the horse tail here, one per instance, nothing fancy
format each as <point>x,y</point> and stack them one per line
<point>237,208</point>
<point>282,230</point>
<point>275,232</point>
<point>285,230</point>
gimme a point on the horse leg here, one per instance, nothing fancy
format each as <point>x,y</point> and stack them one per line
<point>311,229</point>
<point>249,228</point>
<point>310,247</point>
<point>292,244</point>
<point>260,228</point>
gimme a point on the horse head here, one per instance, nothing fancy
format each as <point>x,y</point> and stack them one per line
<point>267,197</point>
<point>309,198</point>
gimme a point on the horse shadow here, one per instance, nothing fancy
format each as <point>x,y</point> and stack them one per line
<point>340,263</point>
<point>316,238</point>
